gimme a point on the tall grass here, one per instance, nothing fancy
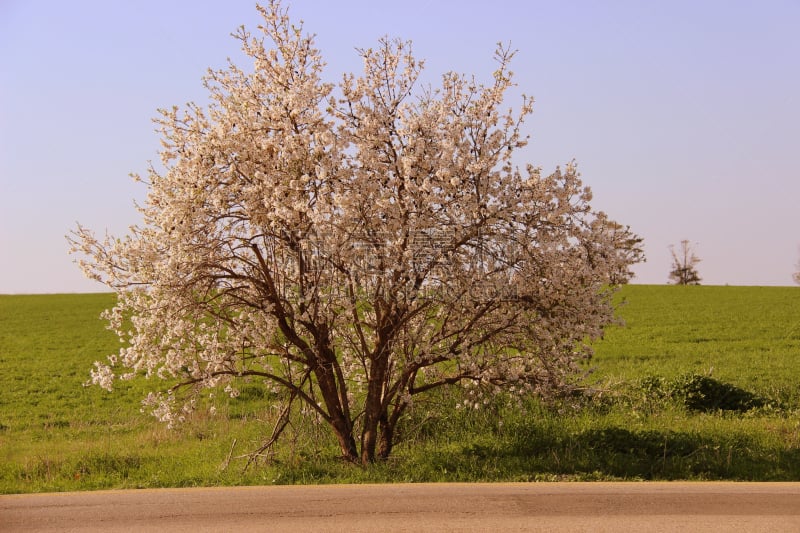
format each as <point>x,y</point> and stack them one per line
<point>56,434</point>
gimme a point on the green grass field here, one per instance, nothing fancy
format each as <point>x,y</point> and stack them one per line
<point>56,434</point>
<point>749,336</point>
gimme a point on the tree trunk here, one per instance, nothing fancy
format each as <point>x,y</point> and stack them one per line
<point>388,425</point>
<point>369,434</point>
<point>386,439</point>
<point>347,443</point>
<point>373,408</point>
<point>341,424</point>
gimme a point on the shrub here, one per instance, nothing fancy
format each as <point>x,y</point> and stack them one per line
<point>698,392</point>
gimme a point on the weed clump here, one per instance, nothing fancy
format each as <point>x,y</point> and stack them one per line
<point>700,393</point>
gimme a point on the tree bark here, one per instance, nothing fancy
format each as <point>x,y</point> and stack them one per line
<point>388,425</point>
<point>341,424</point>
<point>386,441</point>
<point>373,408</point>
<point>347,443</point>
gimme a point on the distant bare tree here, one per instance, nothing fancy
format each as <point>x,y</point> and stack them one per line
<point>684,265</point>
<point>796,275</point>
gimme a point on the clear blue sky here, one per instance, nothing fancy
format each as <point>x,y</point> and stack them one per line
<point>684,116</point>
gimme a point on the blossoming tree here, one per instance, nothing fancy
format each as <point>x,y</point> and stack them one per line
<point>352,246</point>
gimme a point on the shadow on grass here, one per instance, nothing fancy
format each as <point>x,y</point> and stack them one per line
<point>615,453</point>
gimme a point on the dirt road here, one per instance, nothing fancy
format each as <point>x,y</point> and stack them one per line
<point>417,507</point>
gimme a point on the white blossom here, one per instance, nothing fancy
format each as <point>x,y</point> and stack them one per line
<point>353,246</point>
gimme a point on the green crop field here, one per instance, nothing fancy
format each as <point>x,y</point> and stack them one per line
<point>702,383</point>
<point>749,336</point>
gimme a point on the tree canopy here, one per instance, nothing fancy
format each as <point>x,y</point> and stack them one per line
<point>351,246</point>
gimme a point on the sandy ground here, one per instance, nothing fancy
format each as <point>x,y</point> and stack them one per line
<point>609,507</point>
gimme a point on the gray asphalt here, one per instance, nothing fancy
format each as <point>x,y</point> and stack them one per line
<point>650,507</point>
